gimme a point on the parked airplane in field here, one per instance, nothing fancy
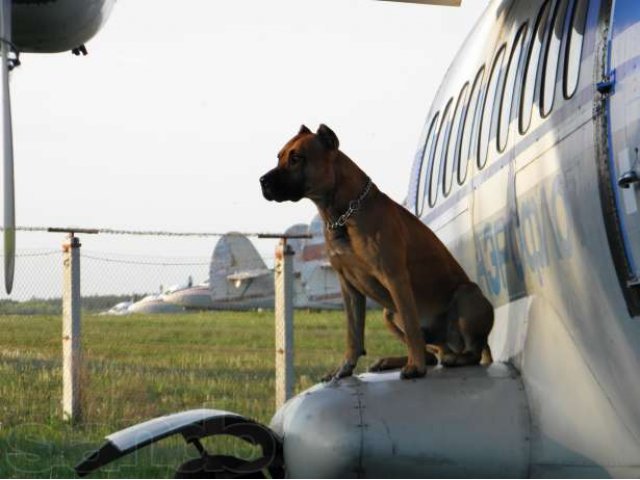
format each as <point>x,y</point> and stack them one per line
<point>527,169</point>
<point>240,280</point>
<point>196,297</point>
<point>37,26</point>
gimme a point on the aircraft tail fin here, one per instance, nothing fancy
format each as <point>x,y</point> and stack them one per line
<point>237,271</point>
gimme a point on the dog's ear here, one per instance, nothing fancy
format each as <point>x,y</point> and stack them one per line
<point>303,130</point>
<point>327,137</point>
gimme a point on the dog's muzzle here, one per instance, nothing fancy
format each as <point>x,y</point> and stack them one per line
<point>266,183</point>
<point>277,185</point>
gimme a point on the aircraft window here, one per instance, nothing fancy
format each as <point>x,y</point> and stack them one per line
<point>470,121</point>
<point>436,159</point>
<point>508,91</point>
<point>552,58</point>
<point>574,49</point>
<point>453,143</point>
<point>526,99</point>
<point>487,122</point>
<point>421,192</point>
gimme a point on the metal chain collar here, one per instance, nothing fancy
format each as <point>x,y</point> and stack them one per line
<point>354,206</point>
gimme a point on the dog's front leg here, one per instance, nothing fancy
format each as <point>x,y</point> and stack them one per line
<point>399,286</point>
<point>355,303</point>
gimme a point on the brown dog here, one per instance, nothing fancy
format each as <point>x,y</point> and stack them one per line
<point>382,251</point>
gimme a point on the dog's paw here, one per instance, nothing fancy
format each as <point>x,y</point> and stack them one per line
<point>411,371</point>
<point>450,360</point>
<point>344,370</point>
<point>460,359</point>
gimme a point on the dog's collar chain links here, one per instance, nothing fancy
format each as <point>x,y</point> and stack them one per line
<point>354,206</point>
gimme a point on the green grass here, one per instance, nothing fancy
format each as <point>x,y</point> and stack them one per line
<point>142,366</point>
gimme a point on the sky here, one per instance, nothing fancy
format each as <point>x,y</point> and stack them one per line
<point>180,107</point>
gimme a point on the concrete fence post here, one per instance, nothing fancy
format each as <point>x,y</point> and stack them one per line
<point>283,277</point>
<point>71,352</point>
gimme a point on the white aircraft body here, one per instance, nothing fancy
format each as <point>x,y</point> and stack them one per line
<point>197,297</point>
<point>154,304</point>
<point>527,169</point>
<point>521,171</point>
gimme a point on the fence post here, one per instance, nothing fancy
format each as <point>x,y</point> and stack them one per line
<point>71,353</point>
<point>283,274</point>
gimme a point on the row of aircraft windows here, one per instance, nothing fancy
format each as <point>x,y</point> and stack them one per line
<point>465,127</point>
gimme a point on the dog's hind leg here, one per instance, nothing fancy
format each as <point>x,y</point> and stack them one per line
<point>392,363</point>
<point>388,363</point>
<point>474,322</point>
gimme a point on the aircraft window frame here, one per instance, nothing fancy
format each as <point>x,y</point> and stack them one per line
<point>574,61</point>
<point>469,125</point>
<point>452,154</point>
<point>487,118</point>
<point>530,74</point>
<point>436,158</point>
<point>509,87</point>
<point>423,181</point>
<point>551,64</point>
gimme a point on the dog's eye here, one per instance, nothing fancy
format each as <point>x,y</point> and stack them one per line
<point>295,159</point>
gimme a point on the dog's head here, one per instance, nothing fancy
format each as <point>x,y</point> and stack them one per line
<point>305,167</point>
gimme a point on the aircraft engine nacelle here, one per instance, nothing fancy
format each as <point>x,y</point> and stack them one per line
<point>56,26</point>
<point>464,423</point>
<point>470,422</point>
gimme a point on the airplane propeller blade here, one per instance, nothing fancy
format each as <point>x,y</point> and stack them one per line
<point>6,135</point>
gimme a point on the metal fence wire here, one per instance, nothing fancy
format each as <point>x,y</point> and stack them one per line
<point>119,266</point>
<point>115,267</point>
<point>106,279</point>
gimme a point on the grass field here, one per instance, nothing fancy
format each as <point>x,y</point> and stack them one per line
<point>142,366</point>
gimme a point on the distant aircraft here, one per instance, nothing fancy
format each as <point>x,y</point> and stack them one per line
<point>240,280</point>
<point>528,168</point>
<point>154,304</point>
<point>121,308</point>
<point>197,297</point>
<point>238,277</point>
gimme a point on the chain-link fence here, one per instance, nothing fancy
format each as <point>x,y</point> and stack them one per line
<point>114,268</point>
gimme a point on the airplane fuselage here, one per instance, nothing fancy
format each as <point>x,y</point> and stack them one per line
<point>517,171</point>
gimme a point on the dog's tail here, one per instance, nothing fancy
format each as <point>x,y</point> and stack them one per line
<point>486,358</point>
